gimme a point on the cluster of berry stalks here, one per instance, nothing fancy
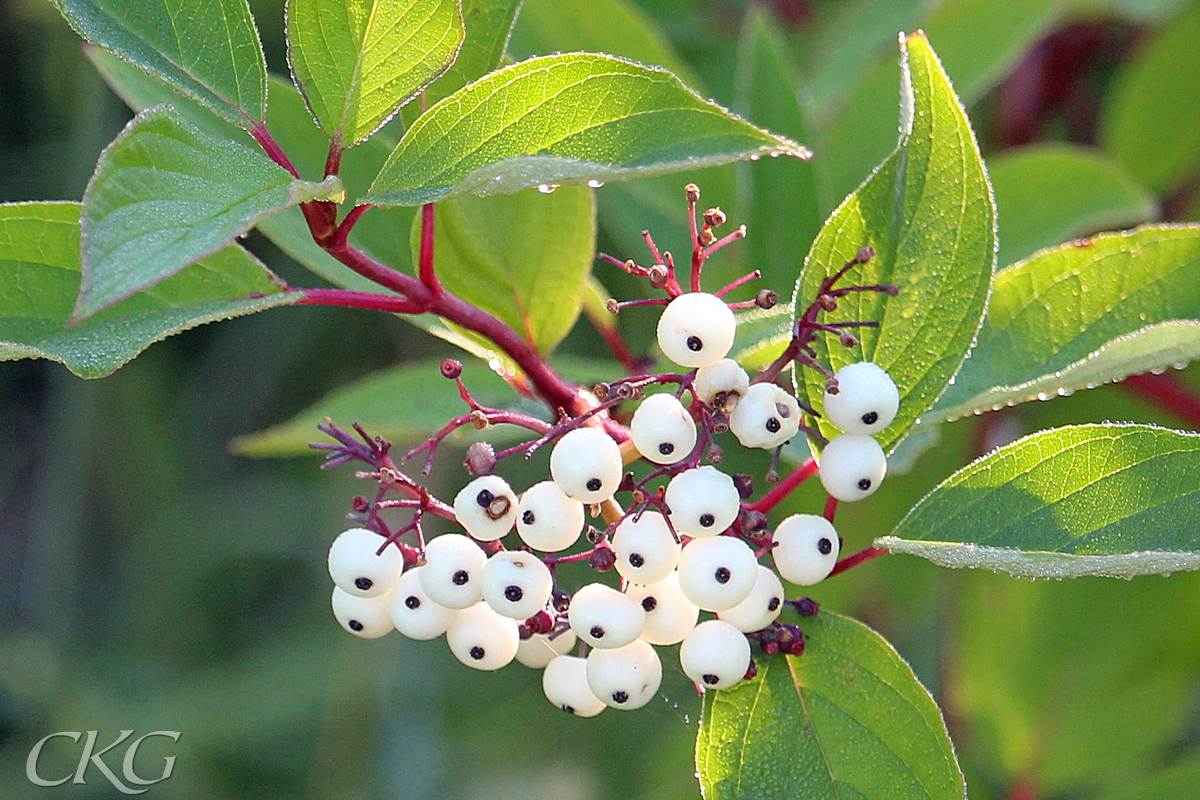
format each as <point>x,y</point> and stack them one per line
<point>684,538</point>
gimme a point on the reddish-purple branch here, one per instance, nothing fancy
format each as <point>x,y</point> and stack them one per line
<point>831,504</point>
<point>1168,393</point>
<point>856,559</point>
<point>425,266</point>
<point>271,147</point>
<point>349,299</point>
<point>785,487</point>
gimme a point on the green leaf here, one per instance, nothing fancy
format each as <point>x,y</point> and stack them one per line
<point>39,276</point>
<point>928,213</point>
<point>1116,500</point>
<point>1151,122</point>
<point>165,195</point>
<point>207,48</point>
<point>358,62</point>
<point>522,257</point>
<point>520,127</point>
<point>1052,193</point>
<point>489,24</point>
<point>848,718</point>
<point>1084,314</point>
<point>1179,781</point>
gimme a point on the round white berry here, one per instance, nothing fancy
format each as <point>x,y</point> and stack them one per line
<point>715,655</point>
<point>646,549</point>
<point>806,549</point>
<point>866,401</point>
<point>516,584</point>
<point>703,501</point>
<point>718,573</point>
<point>486,507</point>
<point>413,613</point>
<point>450,576</point>
<point>766,417</point>
<point>366,617</point>
<point>696,329</point>
<point>355,567</point>
<point>483,639</point>
<point>721,385</point>
<point>761,608</point>
<point>663,430</point>
<point>586,465</point>
<point>852,467</point>
<point>627,677</point>
<point>670,616</point>
<point>547,519</point>
<point>604,617</point>
<point>540,649</point>
<point>565,684</point>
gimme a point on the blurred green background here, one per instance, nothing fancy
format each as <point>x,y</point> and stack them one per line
<point>150,580</point>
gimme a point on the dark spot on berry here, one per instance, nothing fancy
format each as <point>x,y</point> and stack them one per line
<point>484,498</point>
<point>636,560</point>
<point>355,625</point>
<point>707,520</point>
<point>364,584</point>
<point>773,425</point>
<point>695,344</point>
<point>568,709</point>
<point>477,653</point>
<point>513,594</point>
<point>528,518</point>
<point>597,632</point>
<point>594,485</point>
<point>722,575</point>
<point>666,448</point>
<point>870,418</point>
<point>649,604</point>
<point>864,484</point>
<point>773,604</point>
<point>460,578</point>
<point>824,546</point>
<point>412,602</point>
<point>620,697</point>
<point>711,680</point>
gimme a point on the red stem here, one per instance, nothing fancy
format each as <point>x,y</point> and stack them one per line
<point>1023,789</point>
<point>349,299</point>
<point>1168,393</point>
<point>831,504</point>
<point>272,148</point>
<point>425,267</point>
<point>786,486</point>
<point>333,162</point>
<point>856,559</point>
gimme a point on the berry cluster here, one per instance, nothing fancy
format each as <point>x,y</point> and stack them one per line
<point>684,538</point>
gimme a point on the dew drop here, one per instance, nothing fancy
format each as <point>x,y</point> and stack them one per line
<point>595,184</point>
<point>546,188</point>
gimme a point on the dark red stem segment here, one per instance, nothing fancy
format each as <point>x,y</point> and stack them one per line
<point>349,299</point>
<point>830,507</point>
<point>1169,393</point>
<point>786,486</point>
<point>856,559</point>
<point>1023,789</point>
<point>425,266</point>
<point>271,147</point>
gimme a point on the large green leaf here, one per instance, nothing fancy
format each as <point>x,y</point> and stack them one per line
<point>358,62</point>
<point>928,213</point>
<point>1083,314</point>
<point>846,719</point>
<point>1052,193</point>
<point>39,279</point>
<point>526,125</point>
<point>1179,781</point>
<point>165,195</point>
<point>523,257</point>
<point>1115,499</point>
<point>208,48</point>
<point>489,24</point>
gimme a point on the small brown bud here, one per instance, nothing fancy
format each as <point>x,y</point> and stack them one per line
<point>772,475</point>
<point>714,217</point>
<point>828,302</point>
<point>714,454</point>
<point>848,339</point>
<point>891,289</point>
<point>638,496</point>
<point>541,622</point>
<point>754,523</point>
<point>831,386</point>
<point>593,535</point>
<point>865,254</point>
<point>693,193</point>
<point>797,647</point>
<point>807,606</point>
<point>707,237</point>
<point>720,423</point>
<point>745,485</point>
<point>560,600</point>
<point>657,276</point>
<point>451,368</point>
<point>751,671</point>
<point>766,298</point>
<point>770,647</point>
<point>359,503</point>
<point>523,631</point>
<point>479,420</point>
<point>480,459</point>
<point>626,392</point>
<point>603,559</point>
<point>602,391</point>
<point>613,306</point>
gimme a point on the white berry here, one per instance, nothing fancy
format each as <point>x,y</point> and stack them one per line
<point>516,584</point>
<point>718,573</point>
<point>355,567</point>
<point>866,401</point>
<point>806,549</point>
<point>564,683</point>
<point>586,465</point>
<point>450,577</point>
<point>486,507</point>
<point>852,467</point>
<point>721,385</point>
<point>702,501</point>
<point>604,617</point>
<point>366,617</point>
<point>645,547</point>
<point>547,519</point>
<point>670,616</point>
<point>715,655</point>
<point>663,430</point>
<point>627,677</point>
<point>540,649</point>
<point>413,613</point>
<point>761,608</point>
<point>483,639</point>
<point>766,417</point>
<point>696,330</point>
